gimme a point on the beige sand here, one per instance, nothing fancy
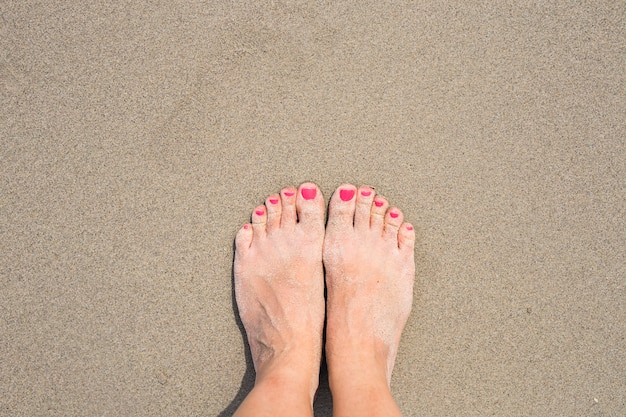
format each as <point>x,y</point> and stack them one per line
<point>135,140</point>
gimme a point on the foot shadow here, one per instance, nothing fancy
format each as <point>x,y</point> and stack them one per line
<point>247,382</point>
<point>323,404</point>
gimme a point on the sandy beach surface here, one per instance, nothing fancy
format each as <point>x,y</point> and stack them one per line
<point>136,137</point>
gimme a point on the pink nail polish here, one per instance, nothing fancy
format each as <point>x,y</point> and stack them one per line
<point>366,193</point>
<point>308,193</point>
<point>246,226</point>
<point>409,228</point>
<point>259,212</point>
<point>289,193</point>
<point>378,203</point>
<point>274,200</point>
<point>346,195</point>
<point>393,214</point>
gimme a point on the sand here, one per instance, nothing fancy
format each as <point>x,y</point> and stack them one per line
<point>135,139</point>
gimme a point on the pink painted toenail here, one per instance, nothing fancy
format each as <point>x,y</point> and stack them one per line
<point>246,226</point>
<point>274,200</point>
<point>393,214</point>
<point>365,193</point>
<point>409,228</point>
<point>259,212</point>
<point>289,193</point>
<point>308,193</point>
<point>378,203</point>
<point>346,195</point>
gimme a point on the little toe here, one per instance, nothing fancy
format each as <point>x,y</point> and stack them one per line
<point>364,198</point>
<point>341,208</point>
<point>243,239</point>
<point>393,220</point>
<point>406,237</point>
<point>310,206</point>
<point>377,215</point>
<point>274,210</point>
<point>288,207</point>
<point>259,221</point>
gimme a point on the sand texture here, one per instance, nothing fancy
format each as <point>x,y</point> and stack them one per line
<point>136,137</point>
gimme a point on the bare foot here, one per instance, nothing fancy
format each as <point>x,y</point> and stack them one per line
<point>279,287</point>
<point>370,269</point>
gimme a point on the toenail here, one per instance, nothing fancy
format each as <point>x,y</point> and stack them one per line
<point>246,226</point>
<point>274,200</point>
<point>393,214</point>
<point>346,195</point>
<point>308,193</point>
<point>409,228</point>
<point>378,203</point>
<point>259,212</point>
<point>366,193</point>
<point>289,193</point>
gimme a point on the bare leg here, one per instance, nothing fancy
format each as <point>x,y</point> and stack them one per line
<point>368,256</point>
<point>279,286</point>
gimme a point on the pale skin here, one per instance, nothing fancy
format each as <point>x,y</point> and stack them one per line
<point>367,251</point>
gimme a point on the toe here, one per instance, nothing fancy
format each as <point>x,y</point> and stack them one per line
<point>406,237</point>
<point>243,240</point>
<point>393,220</point>
<point>377,215</point>
<point>341,208</point>
<point>259,220</point>
<point>288,207</point>
<point>274,210</point>
<point>364,197</point>
<point>310,206</point>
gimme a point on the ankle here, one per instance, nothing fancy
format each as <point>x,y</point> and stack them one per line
<point>292,373</point>
<point>358,369</point>
<point>349,357</point>
<point>361,390</point>
<point>278,394</point>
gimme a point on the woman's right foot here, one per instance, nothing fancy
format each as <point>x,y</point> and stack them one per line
<point>370,269</point>
<point>279,286</point>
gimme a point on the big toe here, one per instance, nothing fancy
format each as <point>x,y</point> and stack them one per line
<point>310,207</point>
<point>341,208</point>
